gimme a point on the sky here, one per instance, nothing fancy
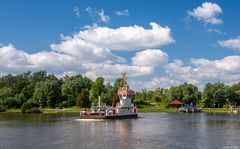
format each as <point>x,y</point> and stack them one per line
<point>157,43</point>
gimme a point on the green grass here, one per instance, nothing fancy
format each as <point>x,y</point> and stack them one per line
<point>13,110</point>
<point>216,110</point>
<point>159,107</point>
<point>64,110</point>
<point>73,109</point>
<point>50,111</point>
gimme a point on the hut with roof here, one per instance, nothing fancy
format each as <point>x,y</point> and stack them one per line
<point>175,104</point>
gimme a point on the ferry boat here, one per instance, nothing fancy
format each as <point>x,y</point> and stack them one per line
<point>124,109</point>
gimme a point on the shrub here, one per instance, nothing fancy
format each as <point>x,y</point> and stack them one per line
<point>20,98</point>
<point>2,108</point>
<point>30,107</point>
<point>11,102</point>
<point>65,104</point>
<point>141,102</point>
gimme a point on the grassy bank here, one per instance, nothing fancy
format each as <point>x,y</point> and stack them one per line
<point>141,108</point>
<point>216,110</point>
<point>50,111</point>
<point>64,110</point>
<point>155,108</point>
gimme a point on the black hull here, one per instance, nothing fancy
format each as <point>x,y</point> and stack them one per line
<point>109,116</point>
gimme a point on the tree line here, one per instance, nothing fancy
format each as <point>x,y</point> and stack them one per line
<point>40,89</point>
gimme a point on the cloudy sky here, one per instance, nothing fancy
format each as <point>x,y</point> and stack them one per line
<point>158,43</point>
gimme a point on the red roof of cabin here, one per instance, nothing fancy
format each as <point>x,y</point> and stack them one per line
<point>176,102</point>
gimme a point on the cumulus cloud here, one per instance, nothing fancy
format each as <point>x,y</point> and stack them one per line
<point>85,51</point>
<point>197,71</point>
<point>150,57</point>
<point>128,38</point>
<point>111,71</point>
<point>13,60</point>
<point>56,62</point>
<point>233,43</point>
<point>11,57</point>
<point>80,53</point>
<point>208,12</point>
<point>98,16</point>
<point>122,13</point>
<point>161,82</point>
<point>203,70</point>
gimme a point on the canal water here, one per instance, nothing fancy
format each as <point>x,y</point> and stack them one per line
<point>149,131</point>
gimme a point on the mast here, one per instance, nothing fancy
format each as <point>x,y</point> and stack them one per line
<point>124,92</point>
<point>123,80</point>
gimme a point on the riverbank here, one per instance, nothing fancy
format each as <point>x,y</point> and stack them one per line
<point>142,108</point>
<point>50,111</point>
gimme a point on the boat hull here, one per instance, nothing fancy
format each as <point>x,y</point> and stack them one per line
<point>129,116</point>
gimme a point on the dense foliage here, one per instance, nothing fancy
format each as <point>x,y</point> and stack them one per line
<point>42,90</point>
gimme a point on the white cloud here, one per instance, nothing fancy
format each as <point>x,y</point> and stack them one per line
<point>85,51</point>
<point>150,57</point>
<point>122,13</point>
<point>233,43</point>
<point>156,82</point>
<point>204,70</point>
<point>78,53</point>
<point>113,70</point>
<point>207,13</point>
<point>198,72</point>
<point>76,10</point>
<point>98,16</point>
<point>13,60</point>
<point>128,38</point>
<point>216,31</point>
<point>161,82</point>
<point>53,61</point>
<point>11,57</point>
<point>227,64</point>
<point>103,17</point>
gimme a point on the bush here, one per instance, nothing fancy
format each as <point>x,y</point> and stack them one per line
<point>2,108</point>
<point>30,107</point>
<point>20,98</point>
<point>11,102</point>
<point>65,104</point>
<point>141,102</point>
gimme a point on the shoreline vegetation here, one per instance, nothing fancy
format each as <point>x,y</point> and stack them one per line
<point>41,92</point>
<point>141,109</point>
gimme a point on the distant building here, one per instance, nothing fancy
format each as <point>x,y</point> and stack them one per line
<point>175,104</point>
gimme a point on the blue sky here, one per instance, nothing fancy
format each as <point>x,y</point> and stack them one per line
<point>203,36</point>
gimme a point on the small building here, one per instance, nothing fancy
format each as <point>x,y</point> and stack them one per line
<point>175,104</point>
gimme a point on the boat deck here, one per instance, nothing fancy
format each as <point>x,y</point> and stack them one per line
<point>135,115</point>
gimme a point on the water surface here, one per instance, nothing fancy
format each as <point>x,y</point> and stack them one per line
<point>150,131</point>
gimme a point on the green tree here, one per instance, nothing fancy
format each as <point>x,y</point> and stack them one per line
<point>30,106</point>
<point>215,95</point>
<point>11,102</point>
<point>47,93</point>
<point>83,99</point>
<point>72,87</point>
<point>233,94</point>
<point>190,93</point>
<point>6,92</point>
<point>2,107</point>
<point>97,89</point>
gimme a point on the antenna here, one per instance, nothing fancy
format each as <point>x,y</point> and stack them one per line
<point>124,80</point>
